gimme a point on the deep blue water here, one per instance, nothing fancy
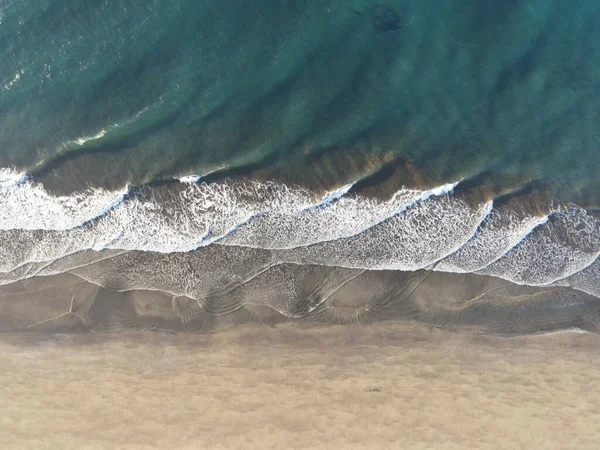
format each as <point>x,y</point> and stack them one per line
<point>106,92</point>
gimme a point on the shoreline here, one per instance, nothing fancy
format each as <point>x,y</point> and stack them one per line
<point>294,295</point>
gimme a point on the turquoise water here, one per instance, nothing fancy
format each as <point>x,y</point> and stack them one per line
<point>146,90</point>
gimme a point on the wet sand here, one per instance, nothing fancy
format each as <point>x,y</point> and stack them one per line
<point>370,386</point>
<point>255,292</point>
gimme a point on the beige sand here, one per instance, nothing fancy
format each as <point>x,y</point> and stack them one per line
<point>353,387</point>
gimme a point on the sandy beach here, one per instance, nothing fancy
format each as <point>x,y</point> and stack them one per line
<point>375,386</point>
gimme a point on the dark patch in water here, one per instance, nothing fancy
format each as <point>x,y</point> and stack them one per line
<point>385,18</point>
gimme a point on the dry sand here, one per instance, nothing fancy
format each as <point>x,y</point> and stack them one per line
<point>339,387</point>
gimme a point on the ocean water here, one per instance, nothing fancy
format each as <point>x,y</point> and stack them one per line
<point>192,165</point>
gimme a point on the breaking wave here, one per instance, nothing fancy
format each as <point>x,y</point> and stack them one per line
<point>251,244</point>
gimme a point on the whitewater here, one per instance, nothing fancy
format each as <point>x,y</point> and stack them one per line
<point>437,229</point>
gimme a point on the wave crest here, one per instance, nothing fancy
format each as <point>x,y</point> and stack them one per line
<point>436,229</point>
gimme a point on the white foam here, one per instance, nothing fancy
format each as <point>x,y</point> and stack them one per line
<point>330,197</point>
<point>422,233</point>
<point>486,209</point>
<point>411,230</point>
<point>83,140</point>
<point>586,280</point>
<point>190,179</point>
<point>11,178</point>
<point>195,178</point>
<point>557,249</point>
<point>333,217</point>
<point>574,330</point>
<point>80,141</point>
<point>26,205</point>
<point>498,234</point>
<point>178,273</point>
<point>11,83</point>
<point>178,222</point>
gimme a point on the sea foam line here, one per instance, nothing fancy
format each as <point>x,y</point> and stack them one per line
<point>485,212</point>
<point>435,192</point>
<point>329,197</point>
<point>542,220</point>
<point>84,139</point>
<point>195,178</point>
<point>26,205</point>
<point>593,258</point>
<point>123,230</point>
